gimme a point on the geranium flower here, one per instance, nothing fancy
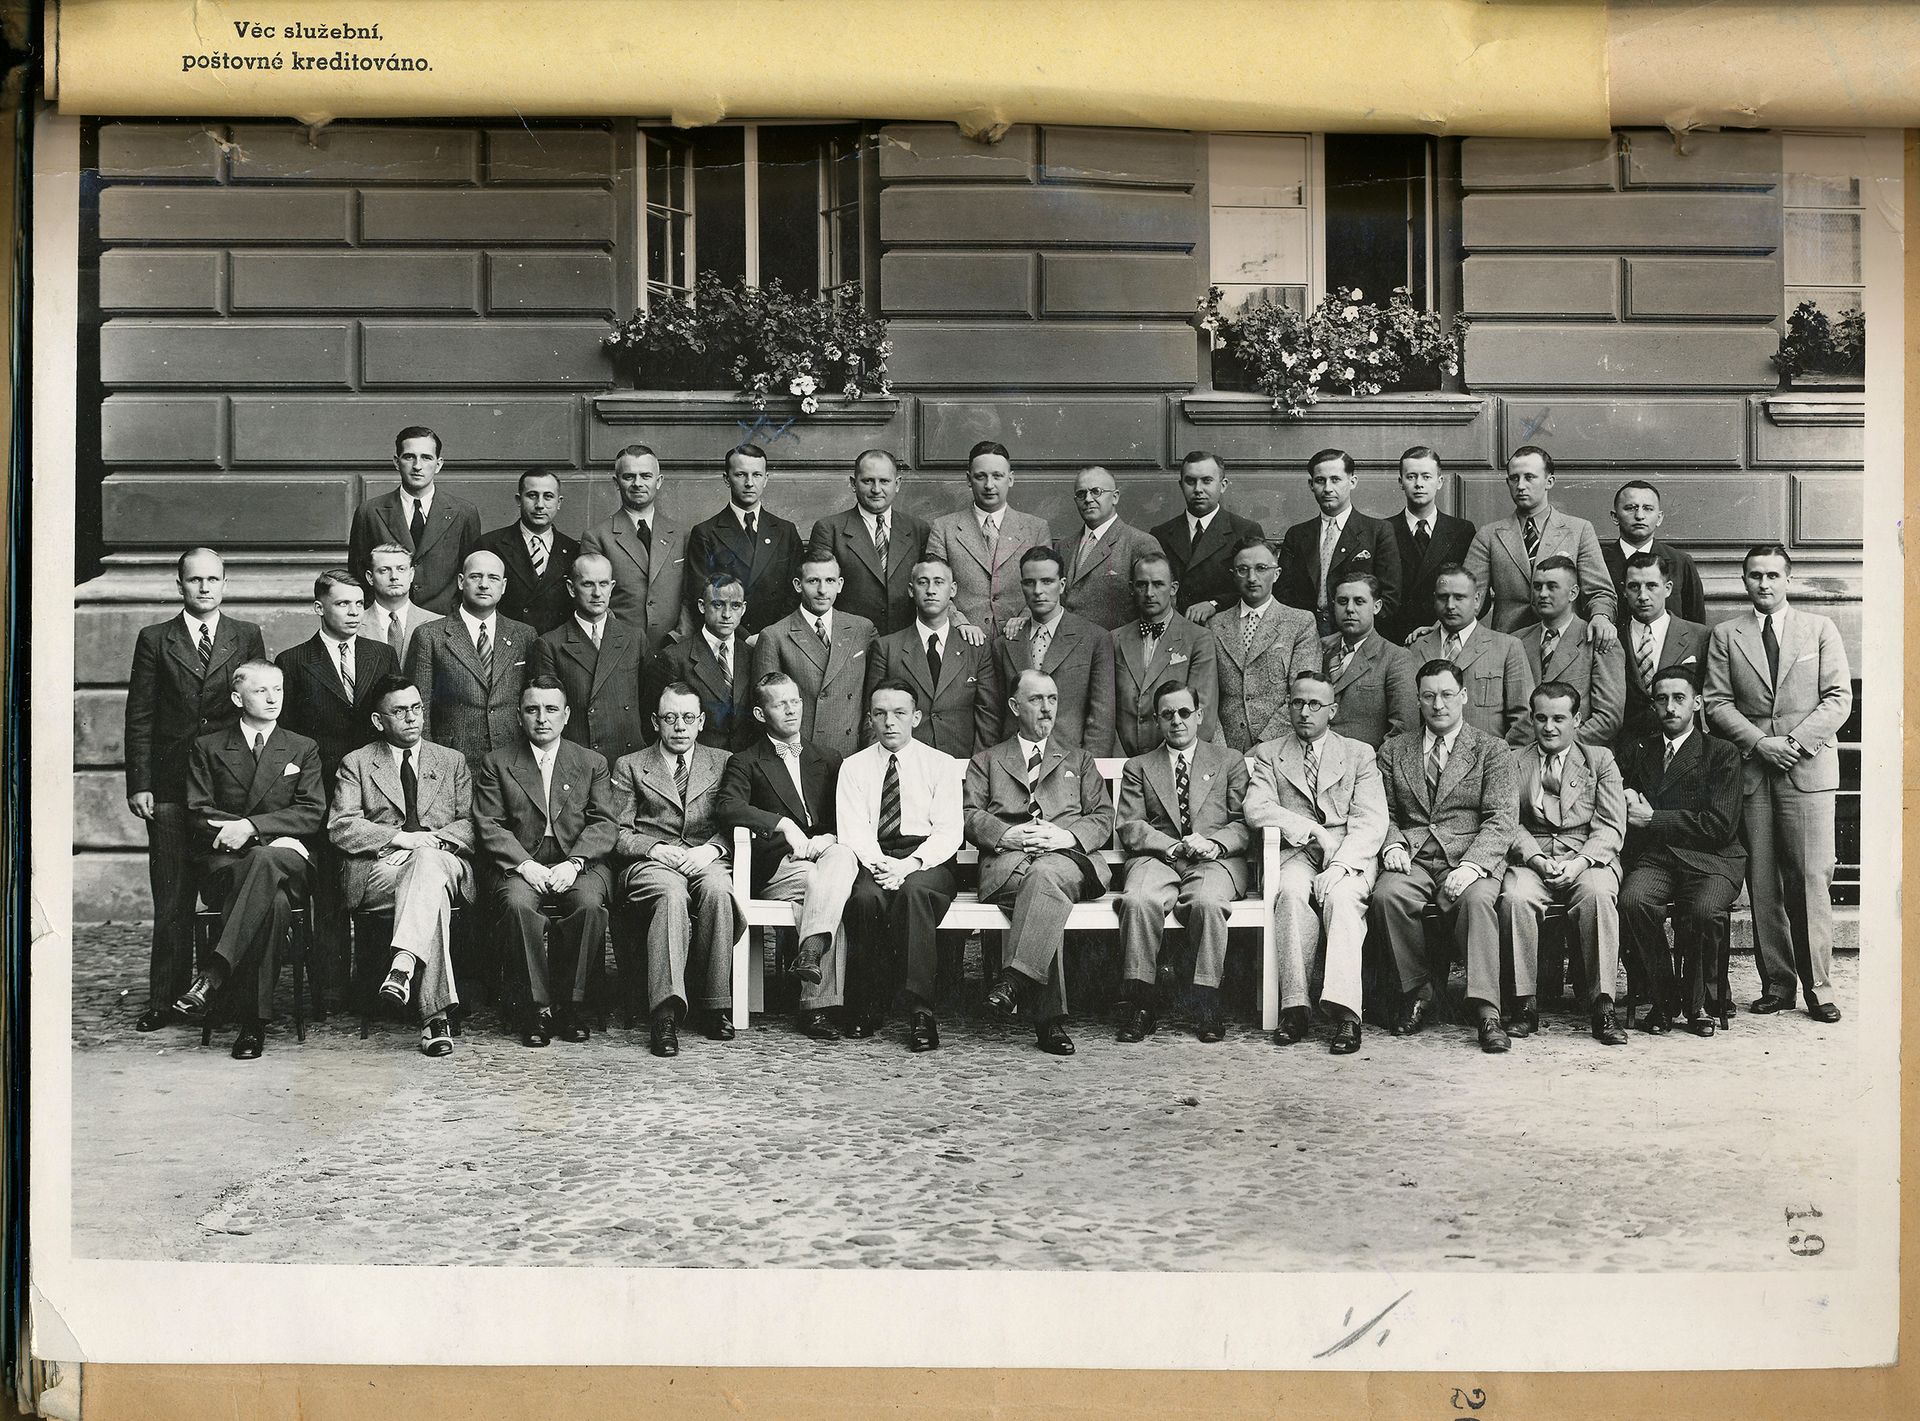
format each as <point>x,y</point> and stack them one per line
<point>809,405</point>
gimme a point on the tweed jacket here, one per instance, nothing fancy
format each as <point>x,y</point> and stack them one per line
<point>1184,653</point>
<point>171,702</point>
<point>1498,561</point>
<point>1253,680</point>
<point>649,579</point>
<point>1351,801</point>
<point>831,679</point>
<point>650,811</point>
<point>465,709</point>
<point>452,531</point>
<point>1811,702</point>
<point>1600,676</point>
<point>370,807</point>
<point>1375,690</point>
<point>1101,588</point>
<point>986,585</point>
<point>1475,813</point>
<point>1071,793</point>
<point>1498,680</point>
<point>1588,816</point>
<point>1080,660</point>
<point>1148,812</point>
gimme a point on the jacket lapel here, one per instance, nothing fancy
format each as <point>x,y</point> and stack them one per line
<point>781,778</point>
<point>1065,638</point>
<point>703,770</point>
<point>273,758</point>
<point>612,652</point>
<point>1364,655</point>
<point>1453,771</point>
<point>854,535</point>
<point>439,519</point>
<point>462,645</point>
<point>1572,780</point>
<point>808,640</point>
<point>1160,781</point>
<point>386,776</point>
<point>1212,539</point>
<point>656,770</point>
<point>1746,635</point>
<point>180,646</point>
<point>521,766</point>
<point>953,660</point>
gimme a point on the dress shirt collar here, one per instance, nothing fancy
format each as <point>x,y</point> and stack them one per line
<point>922,631</point>
<point>817,619</point>
<point>645,516</point>
<point>740,515</point>
<point>983,518</point>
<point>1463,634</point>
<point>1027,747</point>
<point>1447,741</point>
<point>400,753</point>
<point>785,749</point>
<point>1100,532</point>
<point>265,729</point>
<point>1052,624</point>
<point>1247,609</point>
<point>193,624</point>
<point>715,644</point>
<point>1657,629</point>
<point>1339,520</point>
<point>872,520</point>
<point>1779,619</point>
<point>1415,520</point>
<point>594,630</point>
<point>1197,526</point>
<point>1174,757</point>
<point>1672,747</point>
<point>1628,550</point>
<point>530,537</point>
<point>1320,741</point>
<point>425,500</point>
<point>474,624</point>
<point>334,644</point>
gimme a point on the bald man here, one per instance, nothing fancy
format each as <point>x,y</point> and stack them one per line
<point>471,664</point>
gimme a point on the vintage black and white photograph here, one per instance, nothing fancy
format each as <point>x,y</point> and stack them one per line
<point>845,716</point>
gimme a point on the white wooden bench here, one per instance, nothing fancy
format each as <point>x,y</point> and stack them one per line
<point>969,914</point>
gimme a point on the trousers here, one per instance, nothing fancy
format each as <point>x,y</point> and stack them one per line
<point>1400,898</point>
<point>820,886</point>
<point>689,926</point>
<point>256,891</point>
<point>421,886</point>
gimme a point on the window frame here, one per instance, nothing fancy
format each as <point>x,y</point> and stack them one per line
<point>1789,167</point>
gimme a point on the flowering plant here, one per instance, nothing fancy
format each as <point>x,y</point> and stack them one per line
<point>1816,345</point>
<point>1343,346</point>
<point>761,341</point>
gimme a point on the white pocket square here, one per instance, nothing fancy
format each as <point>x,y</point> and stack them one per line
<point>290,769</point>
<point>1173,658</point>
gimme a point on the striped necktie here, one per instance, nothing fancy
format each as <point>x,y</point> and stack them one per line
<point>206,649</point>
<point>880,542</point>
<point>890,805</point>
<point>485,647</point>
<point>1643,655</point>
<point>1434,766</point>
<point>537,550</point>
<point>1033,789</point>
<point>1531,535</point>
<point>346,669</point>
<point>1183,791</point>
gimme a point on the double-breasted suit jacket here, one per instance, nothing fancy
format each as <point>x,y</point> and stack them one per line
<point>1696,806</point>
<point>1598,674</point>
<point>603,684</point>
<point>1685,644</point>
<point>1500,566</point>
<point>728,702</point>
<point>885,599</point>
<point>1365,545</point>
<point>1100,586</point>
<point>1810,702</point>
<point>1447,542</point>
<point>512,812</point>
<point>1374,689</point>
<point>756,779</point>
<point>1689,599</point>
<point>1253,678</point>
<point>1204,569</point>
<point>1474,814</point>
<point>452,531</point>
<point>832,679</point>
<point>986,583</point>
<point>466,709</point>
<point>316,703</point>
<point>650,810</point>
<point>1350,801</point>
<point>172,701</point>
<point>1080,660</point>
<point>1070,791</point>
<point>1184,653</point>
<point>766,564</point>
<point>649,578</point>
<point>960,714</point>
<point>1148,812</point>
<point>1498,679</point>
<point>538,599</point>
<point>370,807</point>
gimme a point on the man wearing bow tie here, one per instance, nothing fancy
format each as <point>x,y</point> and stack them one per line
<point>875,545</point>
<point>439,528</point>
<point>180,688</point>
<point>1158,646</point>
<point>1323,792</point>
<point>1573,821</point>
<point>824,650</point>
<point>1181,825</point>
<point>393,616</point>
<point>536,554</point>
<point>1315,554</point>
<point>745,541</point>
<point>1075,654</point>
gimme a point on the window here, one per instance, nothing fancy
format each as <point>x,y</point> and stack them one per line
<point>765,202</point>
<point>1820,199</point>
<point>1293,215</point>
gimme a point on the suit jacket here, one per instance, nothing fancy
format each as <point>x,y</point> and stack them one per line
<point>171,703</point>
<point>766,566</point>
<point>1686,645</point>
<point>1185,653</point>
<point>511,820</point>
<point>962,713</point>
<point>1253,680</point>
<point>1498,678</point>
<point>1448,542</point>
<point>986,587</point>
<point>1599,676</point>
<point>1588,816</point>
<point>1689,598</point>
<point>453,529</point>
<point>465,710</point>
<point>370,807</point>
<point>603,684</point>
<point>1498,561</point>
<point>649,808</point>
<point>728,704</point>
<point>1376,691</point>
<point>649,580</point>
<point>280,792</point>
<point>831,679</point>
<point>886,602</point>
<point>316,705</point>
<point>1071,793</point>
<point>757,792</point>
<point>1204,570</point>
<point>1352,800</point>
<point>1080,660</point>
<point>374,627</point>
<point>1366,545</point>
<point>1101,589</point>
<point>1812,701</point>
<point>1148,814</point>
<point>1696,804</point>
<point>1475,813</point>
<point>541,602</point>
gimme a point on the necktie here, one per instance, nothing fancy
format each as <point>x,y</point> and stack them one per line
<point>1531,534</point>
<point>820,626</point>
<point>1772,644</point>
<point>1087,544</point>
<point>1042,639</point>
<point>1183,792</point>
<point>1666,760</point>
<point>1450,646</point>
<point>537,550</point>
<point>1550,776</point>
<point>748,522</point>
<point>1339,667</point>
<point>1643,655</point>
<point>346,669</point>
<point>396,633</point>
<point>1329,537</point>
<point>1421,538</point>
<point>725,659</point>
<point>933,657</point>
<point>546,789</point>
<point>880,542</point>
<point>682,776</point>
<point>1549,639</point>
<point>1433,770</point>
<point>890,803</point>
<point>1313,776</point>
<point>206,648</point>
<point>1033,796</point>
<point>993,536</point>
<point>485,647</point>
<point>410,791</point>
<point>593,634</point>
<point>643,530</point>
<point>259,744</point>
<point>417,527</point>
<point>1249,623</point>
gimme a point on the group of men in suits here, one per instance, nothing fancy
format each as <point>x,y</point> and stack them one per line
<point>679,682</point>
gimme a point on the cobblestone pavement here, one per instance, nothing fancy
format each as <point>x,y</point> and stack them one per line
<point>775,1151</point>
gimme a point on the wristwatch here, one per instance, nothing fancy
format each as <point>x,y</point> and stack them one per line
<point>1798,748</point>
<point>579,864</point>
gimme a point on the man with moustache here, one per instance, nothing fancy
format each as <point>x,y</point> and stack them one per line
<point>1558,648</point>
<point>824,650</point>
<point>875,545</point>
<point>1504,554</point>
<point>1638,516</point>
<point>1258,644</point>
<point>1492,664</point>
<point>1653,638</point>
<point>1098,560</point>
<point>1372,678</point>
<point>438,528</point>
<point>1159,646</point>
<point>717,663</point>
<point>761,549</point>
<point>1426,539</point>
<point>1200,542</point>
<point>983,544</point>
<point>647,548</point>
<point>392,617</point>
<point>1340,541</point>
<point>1074,653</point>
<point>536,554</point>
<point>951,673</point>
<point>597,659</point>
<point>470,666</point>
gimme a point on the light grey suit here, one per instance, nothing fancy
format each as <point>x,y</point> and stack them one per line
<point>1198,892</point>
<point>1374,688</point>
<point>1497,558</point>
<point>832,680</point>
<point>1101,588</point>
<point>1589,818</point>
<point>1786,816</point>
<point>1351,806</point>
<point>1253,679</point>
<point>1599,675</point>
<point>648,579</point>
<point>986,584</point>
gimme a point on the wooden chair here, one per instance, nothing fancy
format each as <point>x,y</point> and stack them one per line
<point>296,950</point>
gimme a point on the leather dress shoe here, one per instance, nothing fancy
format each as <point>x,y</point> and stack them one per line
<point>924,1033</point>
<point>1767,1004</point>
<point>1493,1036</point>
<point>663,1035</point>
<point>719,1026</point>
<point>1210,1028</point>
<point>1654,1023</point>
<point>397,987</point>
<point>251,1041</point>
<point>1346,1039</point>
<point>572,1027</point>
<point>1823,1011</point>
<point>153,1018</point>
<point>1413,1016</point>
<point>1295,1025</point>
<point>436,1038</point>
<point>1524,1019</point>
<point>807,966</point>
<point>1137,1024</point>
<point>1053,1039</point>
<point>1700,1024</point>
<point>193,1002</point>
<point>816,1024</point>
<point>860,1028</point>
<point>1606,1028</point>
<point>1003,997</point>
<point>539,1029</point>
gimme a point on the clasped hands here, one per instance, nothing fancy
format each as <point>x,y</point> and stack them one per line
<point>1325,846</point>
<point>549,877</point>
<point>683,859</point>
<point>1036,837</point>
<point>1398,858</point>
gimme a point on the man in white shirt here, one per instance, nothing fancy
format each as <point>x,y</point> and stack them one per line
<point>898,805</point>
<point>984,543</point>
<point>440,528</point>
<point>393,617</point>
<point>1653,638</point>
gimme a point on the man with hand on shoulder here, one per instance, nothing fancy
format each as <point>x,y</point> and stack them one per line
<point>824,651</point>
<point>1558,648</point>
